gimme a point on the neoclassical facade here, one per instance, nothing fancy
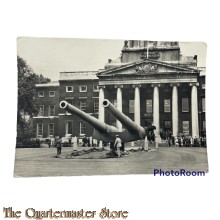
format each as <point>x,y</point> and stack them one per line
<point>151,82</point>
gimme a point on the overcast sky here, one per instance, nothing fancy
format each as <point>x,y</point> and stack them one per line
<point>50,56</point>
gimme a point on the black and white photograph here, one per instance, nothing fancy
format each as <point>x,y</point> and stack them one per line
<point>110,107</point>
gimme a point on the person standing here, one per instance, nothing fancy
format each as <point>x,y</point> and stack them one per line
<point>117,145</point>
<point>75,143</point>
<point>59,148</point>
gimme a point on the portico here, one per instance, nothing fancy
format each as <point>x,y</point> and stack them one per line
<point>165,96</point>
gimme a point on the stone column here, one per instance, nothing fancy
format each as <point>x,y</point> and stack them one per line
<point>194,110</point>
<point>101,108</point>
<point>156,113</point>
<point>175,114</point>
<point>137,114</point>
<point>119,105</point>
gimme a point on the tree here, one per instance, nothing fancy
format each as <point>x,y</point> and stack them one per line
<point>27,106</point>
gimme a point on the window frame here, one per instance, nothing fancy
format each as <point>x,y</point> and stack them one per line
<point>203,105</point>
<point>67,128</point>
<point>38,94</point>
<point>151,110</point>
<point>167,106</point>
<point>131,106</point>
<point>204,125</point>
<point>82,108</point>
<point>42,110</point>
<point>72,90</point>
<point>95,90</point>
<point>81,86</point>
<point>96,106</point>
<point>49,129</point>
<point>80,127</point>
<point>188,127</point>
<point>187,104</point>
<point>40,135</point>
<point>50,94</point>
<point>49,110</point>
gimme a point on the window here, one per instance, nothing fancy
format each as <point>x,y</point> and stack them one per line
<point>69,127</point>
<point>41,94</point>
<point>50,129</point>
<point>95,88</point>
<point>149,106</point>
<point>82,105</point>
<point>167,124</point>
<point>41,110</point>
<point>96,106</point>
<point>203,104</point>
<point>83,88</point>
<point>51,110</point>
<point>185,125</point>
<point>131,106</point>
<point>51,94</point>
<point>69,88</point>
<point>204,125</point>
<point>185,105</point>
<point>39,130</point>
<point>82,127</point>
<point>166,105</point>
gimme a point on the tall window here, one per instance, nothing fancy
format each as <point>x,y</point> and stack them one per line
<point>82,127</point>
<point>82,105</point>
<point>167,105</point>
<point>69,127</point>
<point>149,106</point>
<point>51,94</point>
<point>69,88</point>
<point>204,125</point>
<point>41,94</point>
<point>185,105</point>
<point>41,110</point>
<point>185,125</point>
<point>50,129</point>
<point>203,104</point>
<point>51,110</point>
<point>96,106</point>
<point>39,130</point>
<point>83,88</point>
<point>131,106</point>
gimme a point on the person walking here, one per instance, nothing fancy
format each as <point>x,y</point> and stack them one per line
<point>117,145</point>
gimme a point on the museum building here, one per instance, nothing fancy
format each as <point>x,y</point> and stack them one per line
<point>151,82</point>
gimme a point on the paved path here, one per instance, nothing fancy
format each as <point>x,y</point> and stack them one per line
<point>36,162</point>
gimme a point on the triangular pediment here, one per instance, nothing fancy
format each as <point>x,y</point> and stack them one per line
<point>146,67</point>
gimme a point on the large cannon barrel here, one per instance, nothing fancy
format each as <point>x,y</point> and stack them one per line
<point>125,120</point>
<point>100,126</point>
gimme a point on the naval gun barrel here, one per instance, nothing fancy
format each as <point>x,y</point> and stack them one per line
<point>125,120</point>
<point>97,124</point>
